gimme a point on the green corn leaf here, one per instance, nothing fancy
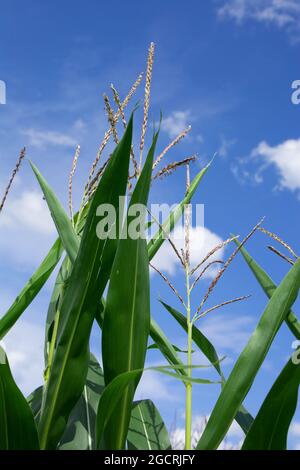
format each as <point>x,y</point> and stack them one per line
<point>80,430</point>
<point>199,338</point>
<point>158,336</point>
<point>156,242</point>
<point>156,333</point>
<point>250,360</point>
<point>36,282</point>
<point>126,323</point>
<point>31,289</point>
<point>34,400</point>
<point>63,276</point>
<point>164,370</point>
<point>176,348</point>
<point>85,286</point>
<point>63,224</point>
<point>269,287</point>
<point>147,430</point>
<point>114,391</point>
<point>109,400</point>
<point>55,304</point>
<point>243,417</point>
<point>271,425</point>
<point>165,347</point>
<point>17,426</point>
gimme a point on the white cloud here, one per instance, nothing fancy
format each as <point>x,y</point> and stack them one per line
<point>232,440</point>
<point>281,13</point>
<point>177,122</point>
<point>295,429</point>
<point>24,348</point>
<point>295,432</point>
<point>286,159</point>
<point>38,138</point>
<point>27,211</point>
<point>26,229</point>
<point>225,146</point>
<point>202,240</point>
<point>156,387</point>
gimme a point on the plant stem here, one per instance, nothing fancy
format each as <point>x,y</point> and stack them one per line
<point>189,387</point>
<point>188,406</point>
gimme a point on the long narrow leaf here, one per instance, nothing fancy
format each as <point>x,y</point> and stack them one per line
<point>147,430</point>
<point>242,417</point>
<point>55,304</point>
<point>17,426</point>
<point>270,428</point>
<point>62,223</point>
<point>113,392</point>
<point>269,287</point>
<point>250,360</point>
<point>87,282</point>
<point>127,313</point>
<point>80,430</point>
<point>199,338</point>
<point>165,347</point>
<point>31,289</point>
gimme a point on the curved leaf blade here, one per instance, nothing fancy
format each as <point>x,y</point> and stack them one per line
<point>62,222</point>
<point>31,289</point>
<point>165,347</point>
<point>17,426</point>
<point>147,430</point>
<point>250,360</point>
<point>113,392</point>
<point>55,304</point>
<point>269,287</point>
<point>271,425</point>
<point>242,417</point>
<point>126,323</point>
<point>84,289</point>
<point>199,338</point>
<point>80,431</point>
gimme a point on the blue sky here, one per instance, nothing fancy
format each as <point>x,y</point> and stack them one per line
<point>226,68</point>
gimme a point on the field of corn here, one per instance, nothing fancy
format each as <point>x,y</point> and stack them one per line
<point>105,282</point>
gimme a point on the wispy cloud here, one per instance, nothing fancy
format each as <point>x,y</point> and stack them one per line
<point>38,138</point>
<point>176,122</point>
<point>157,387</point>
<point>284,14</point>
<point>230,335</point>
<point>225,146</point>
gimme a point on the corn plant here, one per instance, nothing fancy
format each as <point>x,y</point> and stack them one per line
<point>105,281</point>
